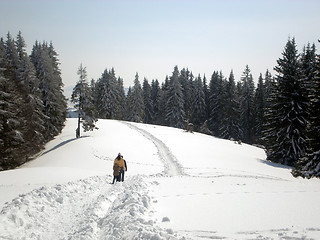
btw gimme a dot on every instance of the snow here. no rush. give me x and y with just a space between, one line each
179 185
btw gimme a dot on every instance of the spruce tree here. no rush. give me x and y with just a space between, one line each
269 85
309 164
148 108
260 106
32 105
247 109
11 138
216 103
46 64
135 102
121 97
285 137
155 101
107 101
28 117
199 104
175 115
206 97
164 93
186 81
230 128
82 98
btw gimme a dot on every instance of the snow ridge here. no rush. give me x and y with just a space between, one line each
171 165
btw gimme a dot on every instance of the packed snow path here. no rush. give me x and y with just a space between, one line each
171 164
84 209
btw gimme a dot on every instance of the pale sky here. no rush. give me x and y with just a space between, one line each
152 36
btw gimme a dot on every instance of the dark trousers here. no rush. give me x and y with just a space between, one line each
116 178
121 175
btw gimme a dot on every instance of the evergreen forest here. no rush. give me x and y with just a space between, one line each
33 107
279 113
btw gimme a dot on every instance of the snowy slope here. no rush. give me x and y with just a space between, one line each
179 185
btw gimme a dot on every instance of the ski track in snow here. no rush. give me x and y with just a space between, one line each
171 164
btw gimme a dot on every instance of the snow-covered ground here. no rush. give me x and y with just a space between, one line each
178 185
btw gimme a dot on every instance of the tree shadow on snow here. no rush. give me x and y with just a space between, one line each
62 144
276 165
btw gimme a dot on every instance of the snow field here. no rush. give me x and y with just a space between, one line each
179 185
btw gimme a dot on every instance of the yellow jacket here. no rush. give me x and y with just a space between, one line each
120 163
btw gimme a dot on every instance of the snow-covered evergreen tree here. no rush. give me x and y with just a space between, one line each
155 101
83 100
260 105
309 164
58 88
148 107
206 98
199 104
163 102
108 96
230 128
12 58
216 87
32 111
247 109
11 138
186 81
46 64
269 85
175 115
25 125
285 137
135 104
121 99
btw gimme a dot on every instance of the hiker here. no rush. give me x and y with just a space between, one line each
116 172
122 165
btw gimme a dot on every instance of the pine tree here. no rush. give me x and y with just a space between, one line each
216 103
82 98
121 99
12 58
135 102
309 164
199 105
206 97
24 124
11 138
230 128
186 81
108 93
260 106
46 64
175 115
32 105
286 138
269 85
60 99
163 96
155 101
148 108
247 109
